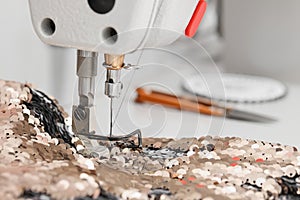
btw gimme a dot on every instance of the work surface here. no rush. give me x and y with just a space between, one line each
164 122
42 159
58 78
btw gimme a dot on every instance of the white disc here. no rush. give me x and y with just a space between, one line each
235 87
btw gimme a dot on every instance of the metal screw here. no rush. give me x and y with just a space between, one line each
79 113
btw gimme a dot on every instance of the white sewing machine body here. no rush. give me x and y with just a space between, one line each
114 28
137 23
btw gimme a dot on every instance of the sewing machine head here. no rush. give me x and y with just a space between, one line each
114 28
110 26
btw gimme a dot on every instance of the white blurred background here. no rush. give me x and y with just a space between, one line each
253 37
262 37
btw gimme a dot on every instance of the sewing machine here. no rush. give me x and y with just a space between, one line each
114 28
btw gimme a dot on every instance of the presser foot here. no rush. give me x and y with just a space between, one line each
122 138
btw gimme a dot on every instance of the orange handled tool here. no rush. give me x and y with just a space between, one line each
199 105
180 103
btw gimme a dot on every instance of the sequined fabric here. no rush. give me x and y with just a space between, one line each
40 159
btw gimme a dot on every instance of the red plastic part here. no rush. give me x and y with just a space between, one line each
196 19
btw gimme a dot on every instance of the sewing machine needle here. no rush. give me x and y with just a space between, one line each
111 117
